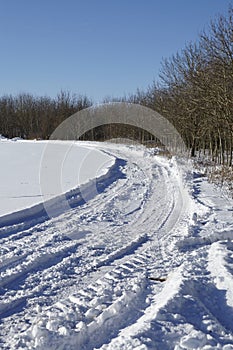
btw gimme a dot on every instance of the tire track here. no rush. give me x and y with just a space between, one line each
93 281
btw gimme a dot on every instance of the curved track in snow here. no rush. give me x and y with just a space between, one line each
100 275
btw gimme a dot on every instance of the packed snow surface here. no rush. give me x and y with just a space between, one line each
144 262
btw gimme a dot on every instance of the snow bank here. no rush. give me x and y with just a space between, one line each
22 165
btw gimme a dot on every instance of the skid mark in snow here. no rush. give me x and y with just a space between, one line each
99 309
33 263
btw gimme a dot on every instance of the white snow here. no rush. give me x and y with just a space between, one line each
144 262
22 169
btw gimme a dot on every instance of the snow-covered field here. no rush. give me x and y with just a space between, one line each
145 262
23 170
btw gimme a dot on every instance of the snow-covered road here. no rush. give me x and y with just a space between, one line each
145 264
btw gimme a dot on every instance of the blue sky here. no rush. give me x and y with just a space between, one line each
95 47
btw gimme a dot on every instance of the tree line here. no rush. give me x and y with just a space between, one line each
194 92
31 117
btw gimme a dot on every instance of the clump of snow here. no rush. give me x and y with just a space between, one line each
16 139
